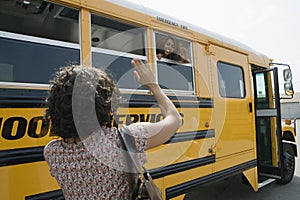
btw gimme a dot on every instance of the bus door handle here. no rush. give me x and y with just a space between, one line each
250 106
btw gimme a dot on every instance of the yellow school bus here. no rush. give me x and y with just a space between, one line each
227 94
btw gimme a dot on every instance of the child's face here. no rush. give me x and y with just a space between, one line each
169 46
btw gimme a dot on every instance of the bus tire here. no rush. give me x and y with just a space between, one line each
288 164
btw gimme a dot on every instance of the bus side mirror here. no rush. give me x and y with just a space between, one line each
288 85
288 88
287 75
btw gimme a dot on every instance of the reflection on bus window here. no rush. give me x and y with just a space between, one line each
30 62
262 90
114 35
231 80
41 19
175 77
260 85
36 37
114 44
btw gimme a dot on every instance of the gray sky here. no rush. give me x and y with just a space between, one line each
271 27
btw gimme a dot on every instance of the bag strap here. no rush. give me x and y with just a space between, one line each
130 150
128 143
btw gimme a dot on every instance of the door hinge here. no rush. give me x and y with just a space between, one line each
208 51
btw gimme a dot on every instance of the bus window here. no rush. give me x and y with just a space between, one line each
174 63
114 44
171 48
36 37
231 80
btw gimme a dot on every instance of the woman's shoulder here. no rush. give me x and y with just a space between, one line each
53 143
50 147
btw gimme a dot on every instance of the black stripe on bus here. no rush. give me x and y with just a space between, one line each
21 98
179 167
52 195
21 156
141 101
27 98
139 104
193 135
183 188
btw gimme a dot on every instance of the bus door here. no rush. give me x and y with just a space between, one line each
232 107
268 123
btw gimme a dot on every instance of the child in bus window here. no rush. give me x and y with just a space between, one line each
184 55
168 49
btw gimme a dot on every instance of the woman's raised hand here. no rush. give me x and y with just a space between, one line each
143 73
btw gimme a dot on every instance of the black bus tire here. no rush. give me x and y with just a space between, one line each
288 164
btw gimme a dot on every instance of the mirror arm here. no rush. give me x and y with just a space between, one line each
271 64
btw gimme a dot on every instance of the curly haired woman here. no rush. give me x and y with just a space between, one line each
86 162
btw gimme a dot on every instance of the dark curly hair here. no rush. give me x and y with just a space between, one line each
73 92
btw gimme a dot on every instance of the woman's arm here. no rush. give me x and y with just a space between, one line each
162 131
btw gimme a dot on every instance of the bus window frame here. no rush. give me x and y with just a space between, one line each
34 40
170 61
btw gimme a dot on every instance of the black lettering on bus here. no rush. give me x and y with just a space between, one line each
182 116
1 122
159 117
117 120
7 131
132 119
149 118
32 128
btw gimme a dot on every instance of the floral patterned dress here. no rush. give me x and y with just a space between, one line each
94 168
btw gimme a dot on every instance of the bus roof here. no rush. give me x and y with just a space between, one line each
210 37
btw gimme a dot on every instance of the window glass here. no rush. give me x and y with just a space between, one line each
41 19
114 44
263 89
119 67
176 77
261 85
231 80
36 37
174 63
115 35
29 62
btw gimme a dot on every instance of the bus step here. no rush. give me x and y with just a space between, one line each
266 182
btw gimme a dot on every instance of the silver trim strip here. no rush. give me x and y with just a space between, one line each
39 40
266 113
16 85
289 142
266 182
117 53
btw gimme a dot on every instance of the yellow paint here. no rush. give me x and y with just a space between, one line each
86 57
18 181
251 176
